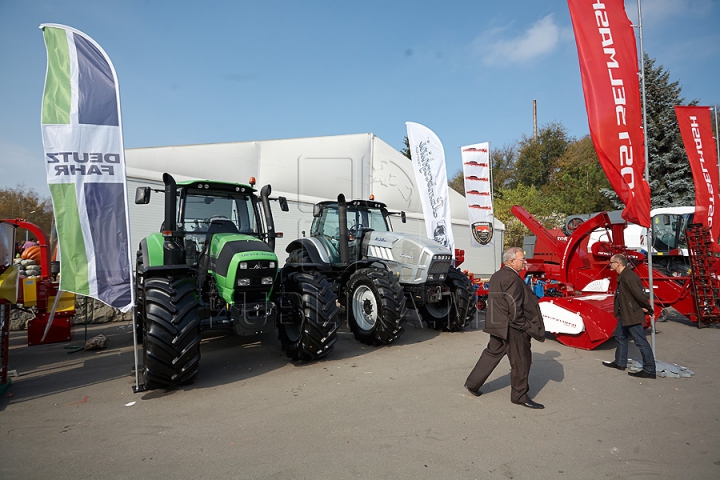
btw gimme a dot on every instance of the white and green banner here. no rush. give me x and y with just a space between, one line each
85 166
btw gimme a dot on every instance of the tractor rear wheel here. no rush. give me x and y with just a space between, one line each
455 311
171 340
309 330
375 306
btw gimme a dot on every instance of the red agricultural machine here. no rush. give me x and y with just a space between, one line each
577 287
39 292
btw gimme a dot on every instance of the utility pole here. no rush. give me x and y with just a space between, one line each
535 120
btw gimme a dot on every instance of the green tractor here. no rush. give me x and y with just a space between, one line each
378 273
213 267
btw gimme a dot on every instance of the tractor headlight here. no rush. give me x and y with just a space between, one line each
243 266
266 280
243 282
442 276
272 265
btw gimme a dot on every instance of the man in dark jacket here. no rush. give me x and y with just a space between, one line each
630 308
510 321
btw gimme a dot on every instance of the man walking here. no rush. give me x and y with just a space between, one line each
510 321
630 308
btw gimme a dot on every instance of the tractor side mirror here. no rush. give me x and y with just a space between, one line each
283 204
142 195
317 211
403 218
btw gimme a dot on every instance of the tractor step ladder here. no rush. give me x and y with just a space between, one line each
705 264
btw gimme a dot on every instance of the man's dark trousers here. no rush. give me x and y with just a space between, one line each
517 348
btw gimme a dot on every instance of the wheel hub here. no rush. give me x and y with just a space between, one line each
364 307
367 307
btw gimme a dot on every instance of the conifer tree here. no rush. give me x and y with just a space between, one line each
671 182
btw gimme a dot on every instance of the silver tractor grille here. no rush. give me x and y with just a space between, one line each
439 266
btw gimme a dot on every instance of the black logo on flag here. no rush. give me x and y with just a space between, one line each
482 232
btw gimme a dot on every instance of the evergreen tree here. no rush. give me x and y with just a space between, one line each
671 182
406 150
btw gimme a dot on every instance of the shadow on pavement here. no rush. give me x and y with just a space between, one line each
225 358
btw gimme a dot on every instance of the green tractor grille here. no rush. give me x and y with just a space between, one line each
255 275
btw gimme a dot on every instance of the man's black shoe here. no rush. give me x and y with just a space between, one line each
476 393
642 374
613 365
531 404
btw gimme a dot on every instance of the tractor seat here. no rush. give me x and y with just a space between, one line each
222 226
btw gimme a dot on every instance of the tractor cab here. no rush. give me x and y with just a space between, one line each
362 216
669 226
205 213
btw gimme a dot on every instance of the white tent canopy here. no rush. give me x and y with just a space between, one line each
305 170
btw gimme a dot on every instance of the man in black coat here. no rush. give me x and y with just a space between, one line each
512 317
630 309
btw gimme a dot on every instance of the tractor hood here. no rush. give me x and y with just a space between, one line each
415 256
229 250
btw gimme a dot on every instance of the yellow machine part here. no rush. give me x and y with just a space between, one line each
9 284
66 302
29 287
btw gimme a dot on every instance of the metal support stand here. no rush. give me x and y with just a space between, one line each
5 382
77 348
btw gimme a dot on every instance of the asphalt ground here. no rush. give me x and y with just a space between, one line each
364 412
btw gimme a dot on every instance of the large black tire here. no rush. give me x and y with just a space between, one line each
455 311
309 331
171 342
300 257
376 308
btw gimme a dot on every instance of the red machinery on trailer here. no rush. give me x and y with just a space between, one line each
54 310
577 288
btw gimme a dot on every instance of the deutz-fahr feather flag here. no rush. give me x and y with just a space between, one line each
85 166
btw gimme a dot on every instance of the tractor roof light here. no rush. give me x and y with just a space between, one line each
252 181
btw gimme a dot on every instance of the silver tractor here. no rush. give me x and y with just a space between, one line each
379 274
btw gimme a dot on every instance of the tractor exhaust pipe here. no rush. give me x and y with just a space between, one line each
342 219
269 222
170 202
173 252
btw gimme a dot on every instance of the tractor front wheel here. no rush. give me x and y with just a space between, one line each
171 337
455 311
308 325
375 306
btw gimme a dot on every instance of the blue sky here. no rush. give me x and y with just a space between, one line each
195 72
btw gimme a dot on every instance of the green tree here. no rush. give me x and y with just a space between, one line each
532 199
576 185
457 182
671 182
537 158
21 202
504 160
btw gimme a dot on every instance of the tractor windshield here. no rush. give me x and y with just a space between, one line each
221 211
365 217
669 231
358 218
